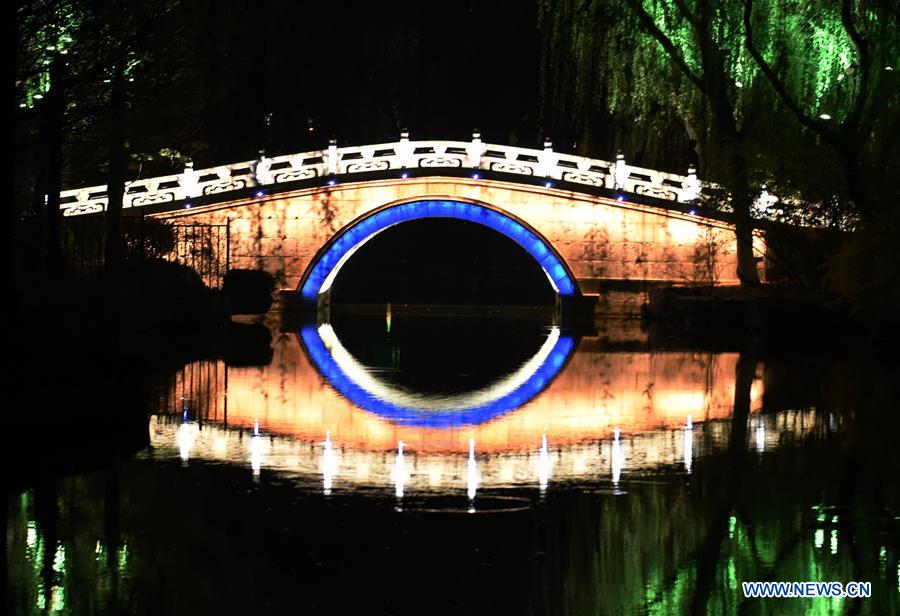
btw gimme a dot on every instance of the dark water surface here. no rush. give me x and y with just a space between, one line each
422 466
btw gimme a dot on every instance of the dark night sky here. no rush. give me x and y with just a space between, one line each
363 71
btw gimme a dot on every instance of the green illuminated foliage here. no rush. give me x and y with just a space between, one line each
817 79
45 29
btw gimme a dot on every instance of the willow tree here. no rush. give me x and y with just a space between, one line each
834 68
44 34
130 95
748 81
660 57
137 45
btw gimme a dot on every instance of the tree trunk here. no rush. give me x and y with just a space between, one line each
744 373
743 230
115 182
856 183
56 107
730 139
710 551
38 207
738 184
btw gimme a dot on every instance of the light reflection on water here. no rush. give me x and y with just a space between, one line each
361 386
589 414
626 484
342 468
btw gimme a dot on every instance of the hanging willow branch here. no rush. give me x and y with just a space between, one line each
862 48
667 44
780 88
686 12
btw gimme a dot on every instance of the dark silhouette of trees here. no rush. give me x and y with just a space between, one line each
105 92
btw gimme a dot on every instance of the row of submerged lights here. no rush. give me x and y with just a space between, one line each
187 432
620 171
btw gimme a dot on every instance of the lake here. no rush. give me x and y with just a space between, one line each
399 463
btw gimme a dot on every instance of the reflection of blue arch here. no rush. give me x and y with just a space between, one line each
340 380
326 264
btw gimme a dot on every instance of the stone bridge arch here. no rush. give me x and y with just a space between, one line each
614 248
326 264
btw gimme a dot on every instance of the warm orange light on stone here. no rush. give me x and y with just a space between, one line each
595 393
599 238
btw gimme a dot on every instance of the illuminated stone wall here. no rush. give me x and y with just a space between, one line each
601 240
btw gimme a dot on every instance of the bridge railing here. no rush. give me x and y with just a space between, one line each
404 154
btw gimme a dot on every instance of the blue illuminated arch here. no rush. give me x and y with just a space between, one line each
325 265
407 415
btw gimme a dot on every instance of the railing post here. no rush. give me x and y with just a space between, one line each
404 149
261 169
621 172
763 202
475 150
691 188
545 158
190 181
227 245
331 158
143 239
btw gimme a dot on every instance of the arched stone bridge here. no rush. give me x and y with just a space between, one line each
595 227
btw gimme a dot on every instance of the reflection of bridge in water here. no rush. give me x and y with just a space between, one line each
334 464
604 413
364 389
